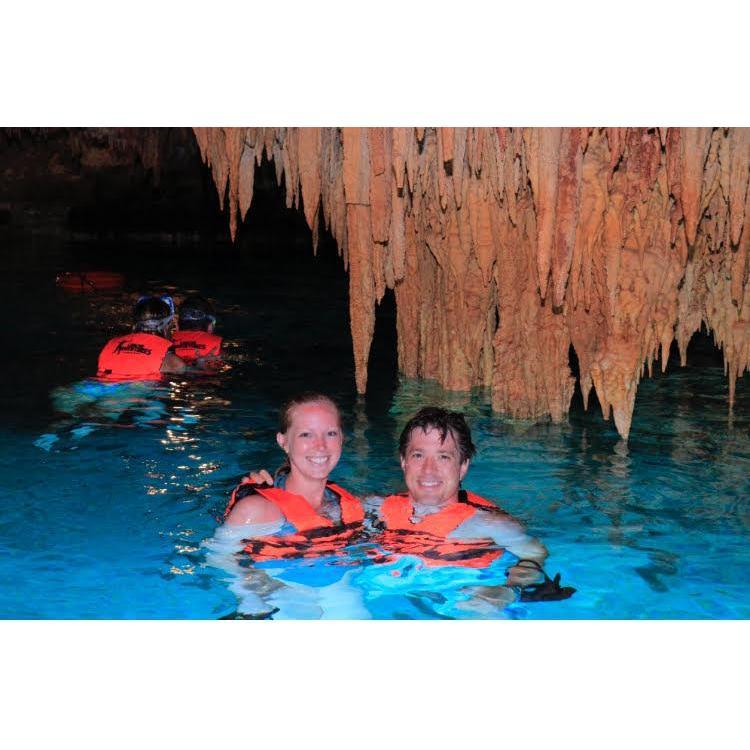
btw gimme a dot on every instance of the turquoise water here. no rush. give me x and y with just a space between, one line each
109 493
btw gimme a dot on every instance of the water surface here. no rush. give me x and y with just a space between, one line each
107 495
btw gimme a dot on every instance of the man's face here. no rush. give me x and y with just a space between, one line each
433 468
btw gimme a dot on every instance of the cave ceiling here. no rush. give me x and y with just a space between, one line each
507 246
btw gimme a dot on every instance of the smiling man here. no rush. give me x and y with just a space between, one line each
441 524
443 547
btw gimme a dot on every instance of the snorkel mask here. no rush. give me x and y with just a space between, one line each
163 297
196 316
160 324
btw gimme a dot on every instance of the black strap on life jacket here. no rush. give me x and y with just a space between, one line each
464 498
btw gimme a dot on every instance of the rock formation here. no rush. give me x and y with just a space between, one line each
107 182
505 246
94 148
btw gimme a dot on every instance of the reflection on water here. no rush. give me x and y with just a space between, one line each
654 528
110 491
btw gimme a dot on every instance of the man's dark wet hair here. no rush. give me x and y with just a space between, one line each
152 315
444 421
196 313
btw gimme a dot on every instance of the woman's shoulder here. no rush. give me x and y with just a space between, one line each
254 509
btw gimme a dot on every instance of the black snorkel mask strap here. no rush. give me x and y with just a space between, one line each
155 325
197 316
548 590
158 326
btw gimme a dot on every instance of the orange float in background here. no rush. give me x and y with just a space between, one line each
90 281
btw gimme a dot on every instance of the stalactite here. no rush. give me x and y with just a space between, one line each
112 146
506 246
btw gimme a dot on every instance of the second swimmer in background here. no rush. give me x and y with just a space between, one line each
195 342
304 518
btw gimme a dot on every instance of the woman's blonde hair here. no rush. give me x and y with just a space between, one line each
308 397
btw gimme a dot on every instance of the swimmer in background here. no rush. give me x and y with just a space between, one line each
302 517
127 380
147 352
195 342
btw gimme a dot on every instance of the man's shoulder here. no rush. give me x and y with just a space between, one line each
494 516
488 515
484 506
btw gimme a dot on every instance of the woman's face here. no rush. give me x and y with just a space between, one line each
313 440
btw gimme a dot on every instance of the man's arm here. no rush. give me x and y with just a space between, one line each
209 363
172 363
509 533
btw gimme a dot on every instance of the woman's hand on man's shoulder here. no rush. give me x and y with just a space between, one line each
259 476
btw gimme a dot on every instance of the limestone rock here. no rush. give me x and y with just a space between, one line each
505 246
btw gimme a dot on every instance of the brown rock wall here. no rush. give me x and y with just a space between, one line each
506 245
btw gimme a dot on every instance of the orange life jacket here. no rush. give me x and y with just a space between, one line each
315 535
136 356
189 345
428 538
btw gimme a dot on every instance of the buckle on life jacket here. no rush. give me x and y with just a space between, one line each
549 590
